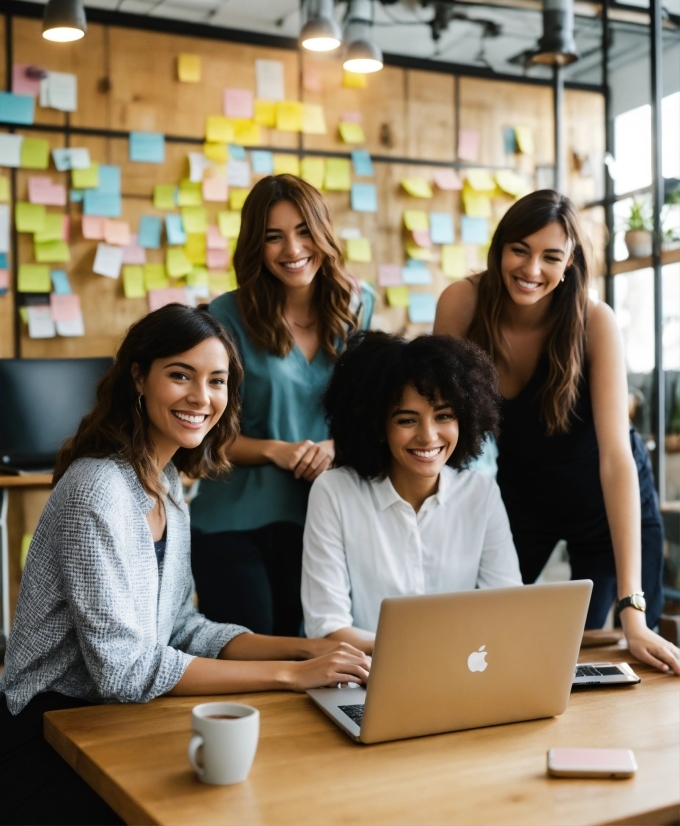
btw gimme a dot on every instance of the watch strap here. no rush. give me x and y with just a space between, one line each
636 601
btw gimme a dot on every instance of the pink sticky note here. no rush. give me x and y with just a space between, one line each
215 241
64 307
389 275
93 228
133 253
22 84
168 295
311 79
42 190
215 189
65 228
351 117
216 259
447 179
4 279
422 237
468 145
238 103
117 232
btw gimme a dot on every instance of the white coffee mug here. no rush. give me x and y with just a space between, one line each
227 734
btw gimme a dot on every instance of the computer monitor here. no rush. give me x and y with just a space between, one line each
41 404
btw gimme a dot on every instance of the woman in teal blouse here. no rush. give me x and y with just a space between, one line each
289 318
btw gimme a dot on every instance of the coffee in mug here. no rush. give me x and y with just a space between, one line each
225 738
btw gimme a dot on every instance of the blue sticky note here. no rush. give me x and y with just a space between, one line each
104 204
364 198
237 153
421 308
510 140
16 108
3 261
474 230
149 234
441 228
174 229
416 274
76 195
362 163
262 161
109 179
147 147
60 282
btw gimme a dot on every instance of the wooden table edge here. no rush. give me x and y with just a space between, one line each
665 816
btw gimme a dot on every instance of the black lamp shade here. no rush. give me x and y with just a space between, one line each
64 20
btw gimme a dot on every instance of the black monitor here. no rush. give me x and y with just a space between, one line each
41 404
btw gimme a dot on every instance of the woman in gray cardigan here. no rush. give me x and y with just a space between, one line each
105 610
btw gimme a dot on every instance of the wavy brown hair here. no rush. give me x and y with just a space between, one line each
118 424
261 296
565 345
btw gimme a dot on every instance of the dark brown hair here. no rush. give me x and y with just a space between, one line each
261 295
565 345
118 424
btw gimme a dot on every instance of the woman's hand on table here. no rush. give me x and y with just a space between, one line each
343 664
306 460
647 646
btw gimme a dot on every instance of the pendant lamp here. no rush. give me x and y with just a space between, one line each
321 32
363 54
557 47
64 20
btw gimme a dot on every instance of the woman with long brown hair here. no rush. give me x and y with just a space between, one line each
290 316
569 466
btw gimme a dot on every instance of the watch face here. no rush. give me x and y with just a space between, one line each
638 602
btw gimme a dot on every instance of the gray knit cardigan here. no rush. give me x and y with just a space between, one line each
97 618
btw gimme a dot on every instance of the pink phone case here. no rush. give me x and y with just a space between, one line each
566 762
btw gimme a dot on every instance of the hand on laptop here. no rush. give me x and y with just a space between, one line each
647 646
341 665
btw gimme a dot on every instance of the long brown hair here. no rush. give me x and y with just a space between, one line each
118 424
261 296
565 345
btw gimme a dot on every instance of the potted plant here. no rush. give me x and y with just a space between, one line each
638 230
673 428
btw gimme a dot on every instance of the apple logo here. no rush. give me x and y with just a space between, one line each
477 660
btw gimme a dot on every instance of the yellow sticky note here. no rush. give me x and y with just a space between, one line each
164 196
286 165
155 277
416 219
53 228
26 540
359 250
222 282
195 248
313 119
419 253
246 132
479 180
454 264
219 129
29 217
133 282
195 219
189 68
511 182
476 204
338 177
352 132
265 113
313 171
35 153
216 151
198 277
525 140
85 178
4 189
189 193
176 262
34 278
237 197
417 187
397 296
52 252
289 116
23 314
353 80
229 224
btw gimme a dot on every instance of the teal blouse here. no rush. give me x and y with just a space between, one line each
281 399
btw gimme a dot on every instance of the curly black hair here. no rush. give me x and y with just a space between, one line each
369 380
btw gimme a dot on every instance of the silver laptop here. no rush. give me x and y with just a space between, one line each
605 674
445 662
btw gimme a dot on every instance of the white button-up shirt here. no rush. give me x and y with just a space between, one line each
363 543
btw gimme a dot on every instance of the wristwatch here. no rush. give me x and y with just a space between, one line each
636 600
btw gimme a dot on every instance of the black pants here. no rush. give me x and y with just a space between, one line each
251 578
36 785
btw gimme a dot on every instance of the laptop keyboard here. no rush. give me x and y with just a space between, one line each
602 671
355 713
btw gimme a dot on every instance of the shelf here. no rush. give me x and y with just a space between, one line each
632 264
30 480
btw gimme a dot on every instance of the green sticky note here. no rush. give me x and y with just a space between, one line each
4 189
35 153
164 196
85 178
53 229
29 217
229 224
26 540
189 193
358 250
198 277
52 252
397 296
133 282
176 263
195 219
34 278
338 178
155 277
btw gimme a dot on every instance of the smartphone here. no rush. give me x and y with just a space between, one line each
565 762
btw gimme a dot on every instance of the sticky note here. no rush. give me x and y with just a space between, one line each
474 230
93 227
10 150
313 119
60 282
229 223
189 193
76 196
239 174
147 147
155 277
215 240
352 132
117 232
237 197
4 229
73 157
468 145
238 103
189 68
422 237
174 229
198 277
108 260
64 307
35 153
247 132
133 253
219 129
262 161
4 189
511 182
52 252
29 217
289 116
133 282
353 80
286 164
106 204
359 250
109 179
74 327
447 179
337 175
86 178
195 219
269 80
34 278
417 187
176 262
351 117
59 90
164 196
525 140
421 308
213 151
214 190
364 198
237 152
26 82
313 170
149 234
311 79
217 259
416 219
169 295
476 204
416 275
362 163
479 180
221 282
265 113
454 264
195 248
40 324
419 253
4 281
53 228
389 275
510 140
16 108
397 296
441 228
44 191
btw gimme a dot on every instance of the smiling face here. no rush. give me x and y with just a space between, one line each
533 267
184 396
290 254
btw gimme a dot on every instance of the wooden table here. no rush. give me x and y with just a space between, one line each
308 772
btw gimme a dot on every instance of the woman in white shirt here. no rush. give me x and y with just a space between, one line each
400 514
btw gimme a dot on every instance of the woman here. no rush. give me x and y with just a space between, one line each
399 515
294 308
105 610
569 465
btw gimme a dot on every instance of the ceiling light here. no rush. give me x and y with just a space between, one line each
557 47
363 55
64 20
321 32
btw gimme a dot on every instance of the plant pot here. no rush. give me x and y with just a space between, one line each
639 243
673 443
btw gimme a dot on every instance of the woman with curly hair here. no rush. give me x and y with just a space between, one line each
290 316
400 514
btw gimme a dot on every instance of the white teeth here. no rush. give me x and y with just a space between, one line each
184 417
529 285
295 265
427 454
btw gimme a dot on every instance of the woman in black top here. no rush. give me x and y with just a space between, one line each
569 467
